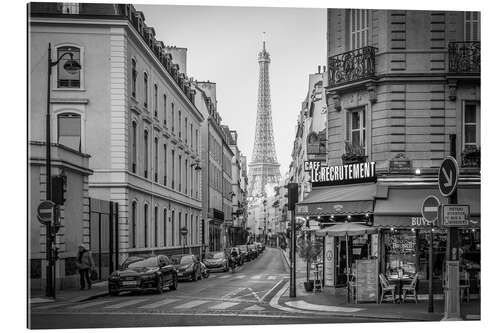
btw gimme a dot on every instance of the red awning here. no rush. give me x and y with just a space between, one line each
338 200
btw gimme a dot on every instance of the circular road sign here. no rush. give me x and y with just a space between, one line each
430 209
45 211
184 231
448 176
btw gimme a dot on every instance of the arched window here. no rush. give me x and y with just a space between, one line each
134 147
145 90
65 78
134 78
173 227
134 224
165 227
146 154
156 227
156 160
146 225
69 130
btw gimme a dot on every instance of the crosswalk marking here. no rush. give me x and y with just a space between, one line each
190 305
271 277
124 304
88 305
158 304
255 277
254 308
224 276
240 276
224 305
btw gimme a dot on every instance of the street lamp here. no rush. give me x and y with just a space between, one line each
71 66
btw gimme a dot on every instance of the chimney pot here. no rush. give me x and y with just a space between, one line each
319 68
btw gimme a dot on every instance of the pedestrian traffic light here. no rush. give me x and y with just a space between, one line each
58 189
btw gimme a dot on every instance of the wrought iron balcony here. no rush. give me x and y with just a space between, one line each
464 57
351 66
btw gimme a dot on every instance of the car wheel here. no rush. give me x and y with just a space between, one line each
159 285
173 286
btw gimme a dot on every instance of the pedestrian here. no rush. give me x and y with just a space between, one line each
85 265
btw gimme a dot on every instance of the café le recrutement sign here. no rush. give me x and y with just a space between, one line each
326 175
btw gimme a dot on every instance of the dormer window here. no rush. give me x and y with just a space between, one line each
70 8
65 78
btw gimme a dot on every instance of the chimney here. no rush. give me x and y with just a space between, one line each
319 69
324 69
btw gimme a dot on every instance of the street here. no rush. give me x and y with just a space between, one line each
243 297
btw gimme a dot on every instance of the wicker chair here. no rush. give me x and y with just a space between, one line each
411 289
387 288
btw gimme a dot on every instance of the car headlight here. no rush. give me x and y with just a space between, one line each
148 276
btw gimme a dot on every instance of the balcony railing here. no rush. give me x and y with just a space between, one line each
464 57
351 66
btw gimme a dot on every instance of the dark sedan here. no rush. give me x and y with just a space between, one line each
216 261
188 266
143 274
244 253
253 251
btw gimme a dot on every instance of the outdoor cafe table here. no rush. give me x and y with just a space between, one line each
399 281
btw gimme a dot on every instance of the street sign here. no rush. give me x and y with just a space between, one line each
430 209
448 176
455 215
45 211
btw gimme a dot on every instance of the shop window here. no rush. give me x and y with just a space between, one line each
439 254
65 78
471 126
359 28
400 252
69 129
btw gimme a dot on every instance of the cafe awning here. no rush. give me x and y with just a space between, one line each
338 200
346 229
401 206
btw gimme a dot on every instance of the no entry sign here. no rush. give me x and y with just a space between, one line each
430 209
448 176
45 211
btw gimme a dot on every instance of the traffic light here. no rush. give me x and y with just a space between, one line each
58 189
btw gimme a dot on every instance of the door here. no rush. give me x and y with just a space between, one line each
340 262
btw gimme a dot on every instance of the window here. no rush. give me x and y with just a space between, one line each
471 126
145 90
180 121
185 176
165 164
134 147
156 101
173 117
156 160
472 27
191 182
180 226
156 226
196 141
180 173
134 78
173 168
164 109
70 8
356 130
68 79
185 225
69 130
146 225
173 228
134 224
359 28
146 154
191 136
185 130
192 229
164 227
196 231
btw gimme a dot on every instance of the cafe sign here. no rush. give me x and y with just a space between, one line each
321 175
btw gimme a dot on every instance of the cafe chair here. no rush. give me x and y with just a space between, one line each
387 288
464 285
411 289
351 285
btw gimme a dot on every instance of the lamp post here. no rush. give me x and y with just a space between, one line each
70 66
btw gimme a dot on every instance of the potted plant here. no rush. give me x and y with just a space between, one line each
308 249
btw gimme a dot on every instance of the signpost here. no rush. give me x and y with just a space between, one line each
430 214
455 215
46 211
448 176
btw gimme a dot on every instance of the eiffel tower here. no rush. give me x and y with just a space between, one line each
264 166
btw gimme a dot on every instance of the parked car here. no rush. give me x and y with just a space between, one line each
253 251
188 266
240 259
259 246
216 261
142 274
244 252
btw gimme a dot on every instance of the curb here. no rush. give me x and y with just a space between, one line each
285 255
91 297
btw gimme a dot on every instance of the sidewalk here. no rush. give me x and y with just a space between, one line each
334 300
99 289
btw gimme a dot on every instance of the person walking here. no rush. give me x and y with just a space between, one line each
85 265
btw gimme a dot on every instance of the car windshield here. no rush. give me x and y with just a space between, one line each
182 260
215 255
141 263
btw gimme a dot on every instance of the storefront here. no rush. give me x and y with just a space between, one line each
405 236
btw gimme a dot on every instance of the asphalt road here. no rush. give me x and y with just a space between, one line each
240 298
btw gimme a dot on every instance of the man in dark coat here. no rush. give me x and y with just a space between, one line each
85 265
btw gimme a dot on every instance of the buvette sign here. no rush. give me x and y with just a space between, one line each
321 175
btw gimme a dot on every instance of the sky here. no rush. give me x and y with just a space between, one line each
223 44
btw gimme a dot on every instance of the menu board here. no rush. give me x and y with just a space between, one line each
329 261
367 280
